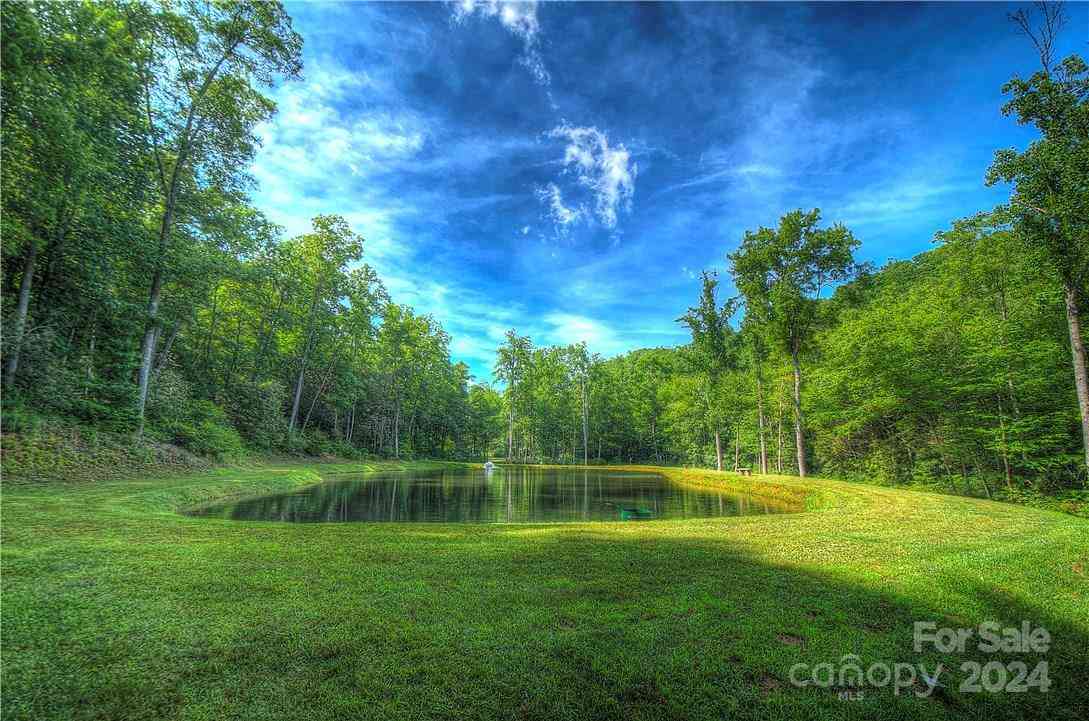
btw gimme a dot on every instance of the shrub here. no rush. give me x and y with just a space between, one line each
19 419
206 431
199 426
256 410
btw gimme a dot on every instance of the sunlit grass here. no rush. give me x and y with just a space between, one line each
115 606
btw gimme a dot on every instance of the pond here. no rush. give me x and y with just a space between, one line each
515 494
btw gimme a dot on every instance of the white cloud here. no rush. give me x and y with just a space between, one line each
520 18
319 154
569 328
607 172
561 214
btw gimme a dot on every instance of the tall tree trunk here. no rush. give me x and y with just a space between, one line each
1005 445
170 198
297 396
654 440
1081 377
305 356
799 428
164 355
510 426
718 451
211 332
585 427
147 348
21 309
90 369
737 446
228 377
779 436
268 328
151 333
397 430
314 402
760 422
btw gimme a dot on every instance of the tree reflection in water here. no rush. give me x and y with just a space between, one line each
507 495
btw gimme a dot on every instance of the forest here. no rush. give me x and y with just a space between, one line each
242 478
145 295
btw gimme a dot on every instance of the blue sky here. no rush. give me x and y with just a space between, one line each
568 169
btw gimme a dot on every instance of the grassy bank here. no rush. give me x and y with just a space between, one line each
115 606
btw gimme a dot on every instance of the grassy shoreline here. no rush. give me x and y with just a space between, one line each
115 606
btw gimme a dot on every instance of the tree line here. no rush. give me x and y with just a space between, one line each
144 294
149 295
963 367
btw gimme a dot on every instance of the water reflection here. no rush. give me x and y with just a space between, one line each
505 495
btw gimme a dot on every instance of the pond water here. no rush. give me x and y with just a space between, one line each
506 495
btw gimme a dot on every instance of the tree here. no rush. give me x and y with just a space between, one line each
321 259
581 364
781 274
714 344
200 70
70 100
1051 179
510 367
752 337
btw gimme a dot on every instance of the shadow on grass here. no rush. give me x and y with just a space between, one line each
216 620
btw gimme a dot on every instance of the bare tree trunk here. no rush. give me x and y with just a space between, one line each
799 432
170 199
510 433
21 309
305 356
164 355
1005 447
151 333
654 439
779 434
90 370
718 451
760 422
298 395
1081 377
314 402
211 331
147 348
397 430
737 446
585 427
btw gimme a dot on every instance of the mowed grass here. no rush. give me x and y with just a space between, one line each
117 607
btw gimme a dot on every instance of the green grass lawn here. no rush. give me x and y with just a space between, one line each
115 606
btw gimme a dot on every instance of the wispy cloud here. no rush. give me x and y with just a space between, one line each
606 171
569 328
561 215
520 18
420 124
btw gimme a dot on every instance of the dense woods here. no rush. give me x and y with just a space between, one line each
144 294
950 369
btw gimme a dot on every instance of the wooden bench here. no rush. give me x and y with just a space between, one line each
744 471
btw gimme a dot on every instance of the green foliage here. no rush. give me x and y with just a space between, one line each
127 131
41 447
198 425
256 410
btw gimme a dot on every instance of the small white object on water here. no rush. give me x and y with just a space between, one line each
489 467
